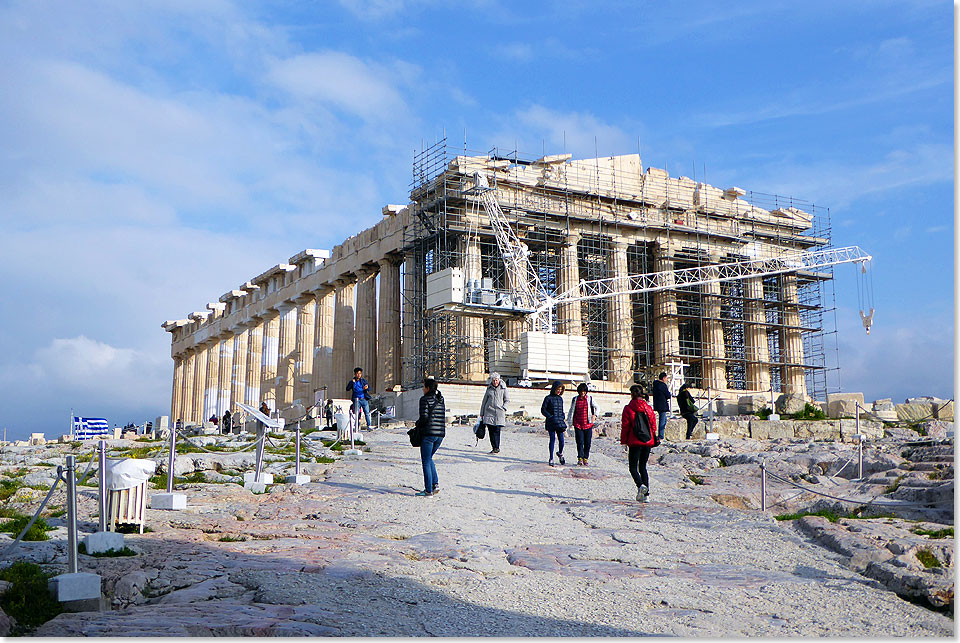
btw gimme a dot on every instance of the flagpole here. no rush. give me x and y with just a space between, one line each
70 432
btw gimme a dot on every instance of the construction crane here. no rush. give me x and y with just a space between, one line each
532 300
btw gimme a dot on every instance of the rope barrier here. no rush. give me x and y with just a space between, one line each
901 505
43 504
187 438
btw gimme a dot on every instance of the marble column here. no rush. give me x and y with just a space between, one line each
388 324
411 370
666 327
269 359
791 339
306 334
366 335
757 349
286 358
186 412
470 329
212 388
343 336
713 349
619 318
568 315
323 340
254 363
238 389
226 373
199 383
176 398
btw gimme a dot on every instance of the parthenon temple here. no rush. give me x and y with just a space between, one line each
423 291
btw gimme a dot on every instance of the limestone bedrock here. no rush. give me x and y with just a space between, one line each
509 547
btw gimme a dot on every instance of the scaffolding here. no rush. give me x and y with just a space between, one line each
549 200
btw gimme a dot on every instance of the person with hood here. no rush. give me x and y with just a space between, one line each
638 451
432 423
688 408
556 424
493 409
581 416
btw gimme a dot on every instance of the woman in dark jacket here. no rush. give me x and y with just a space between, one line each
688 408
433 426
552 409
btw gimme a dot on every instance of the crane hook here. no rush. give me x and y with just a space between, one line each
867 320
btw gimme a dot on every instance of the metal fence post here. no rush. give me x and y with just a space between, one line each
71 481
173 457
763 487
297 470
103 485
860 457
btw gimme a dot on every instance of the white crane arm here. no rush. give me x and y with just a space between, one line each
714 273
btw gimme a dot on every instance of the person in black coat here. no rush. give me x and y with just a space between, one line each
688 408
661 403
556 424
432 423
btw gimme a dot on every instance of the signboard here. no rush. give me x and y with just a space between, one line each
257 415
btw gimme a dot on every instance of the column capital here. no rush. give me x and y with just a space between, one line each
284 307
345 280
305 298
368 270
573 237
391 259
620 243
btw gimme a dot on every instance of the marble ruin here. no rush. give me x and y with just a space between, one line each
302 325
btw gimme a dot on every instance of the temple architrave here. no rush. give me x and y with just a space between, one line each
302 325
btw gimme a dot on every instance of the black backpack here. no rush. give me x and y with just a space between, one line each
642 430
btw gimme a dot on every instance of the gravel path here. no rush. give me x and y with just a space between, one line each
510 547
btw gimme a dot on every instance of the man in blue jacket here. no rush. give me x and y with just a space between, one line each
360 393
661 403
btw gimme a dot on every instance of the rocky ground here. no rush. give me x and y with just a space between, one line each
512 547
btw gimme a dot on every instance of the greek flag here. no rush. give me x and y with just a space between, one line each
86 428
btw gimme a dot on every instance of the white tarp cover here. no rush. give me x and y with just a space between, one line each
128 473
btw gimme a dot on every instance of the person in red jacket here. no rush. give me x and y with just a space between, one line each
638 451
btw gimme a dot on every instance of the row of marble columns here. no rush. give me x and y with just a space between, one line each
285 355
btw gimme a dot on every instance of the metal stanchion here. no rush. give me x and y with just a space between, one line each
860 457
71 479
763 487
297 469
103 486
172 460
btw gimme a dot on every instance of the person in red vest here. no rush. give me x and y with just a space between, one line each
638 450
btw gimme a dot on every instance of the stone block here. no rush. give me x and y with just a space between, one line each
297 479
868 428
816 429
752 403
103 541
81 586
174 501
842 408
914 412
846 397
777 429
885 404
944 411
790 403
250 476
255 487
728 408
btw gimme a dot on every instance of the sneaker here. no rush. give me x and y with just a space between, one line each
495 451
560 457
550 463
436 489
642 493
579 462
423 493
584 462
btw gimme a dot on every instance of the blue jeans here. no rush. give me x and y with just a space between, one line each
558 436
584 437
661 423
429 446
363 403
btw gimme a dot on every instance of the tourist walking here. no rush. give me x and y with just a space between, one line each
638 451
582 416
328 413
688 408
432 423
661 402
360 394
226 424
556 424
493 409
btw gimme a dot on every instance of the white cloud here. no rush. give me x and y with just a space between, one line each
579 133
373 9
348 83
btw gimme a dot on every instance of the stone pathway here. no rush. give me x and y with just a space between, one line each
510 547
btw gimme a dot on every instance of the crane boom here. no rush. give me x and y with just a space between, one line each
713 273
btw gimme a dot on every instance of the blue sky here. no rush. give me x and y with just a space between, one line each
156 154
